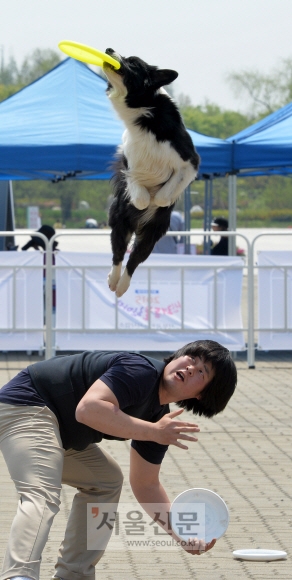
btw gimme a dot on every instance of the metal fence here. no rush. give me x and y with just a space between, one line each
250 269
14 328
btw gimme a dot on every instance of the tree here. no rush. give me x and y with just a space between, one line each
8 90
183 101
34 66
37 64
209 119
8 73
265 92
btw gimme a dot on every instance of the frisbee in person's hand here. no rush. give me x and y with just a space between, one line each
199 509
260 555
87 53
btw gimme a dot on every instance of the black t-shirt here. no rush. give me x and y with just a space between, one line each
131 377
220 249
21 391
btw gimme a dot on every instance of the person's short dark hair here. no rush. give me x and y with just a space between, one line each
220 389
221 222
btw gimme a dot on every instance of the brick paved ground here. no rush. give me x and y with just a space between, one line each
243 454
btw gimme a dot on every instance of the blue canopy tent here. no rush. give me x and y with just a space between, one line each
265 147
216 155
63 126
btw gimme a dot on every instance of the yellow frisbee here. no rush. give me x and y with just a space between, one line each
87 53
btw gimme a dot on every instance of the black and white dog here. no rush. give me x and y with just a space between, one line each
156 162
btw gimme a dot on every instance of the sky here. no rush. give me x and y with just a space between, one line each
202 40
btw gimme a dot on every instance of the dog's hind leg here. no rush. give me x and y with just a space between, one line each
143 246
114 276
123 284
119 241
142 249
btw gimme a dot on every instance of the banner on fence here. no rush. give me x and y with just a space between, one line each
275 300
22 300
172 300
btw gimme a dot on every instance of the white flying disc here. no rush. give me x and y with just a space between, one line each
216 513
87 53
260 555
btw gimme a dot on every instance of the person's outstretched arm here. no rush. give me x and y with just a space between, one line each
150 493
99 409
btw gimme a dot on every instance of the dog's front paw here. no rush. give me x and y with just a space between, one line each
162 200
123 284
140 197
113 278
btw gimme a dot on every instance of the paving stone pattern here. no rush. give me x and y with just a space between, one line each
244 454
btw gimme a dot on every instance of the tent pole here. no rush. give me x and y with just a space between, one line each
232 214
205 213
187 208
208 213
7 221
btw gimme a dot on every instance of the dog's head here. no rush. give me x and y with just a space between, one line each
135 78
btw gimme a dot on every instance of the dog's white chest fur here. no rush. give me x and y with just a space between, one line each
151 163
156 172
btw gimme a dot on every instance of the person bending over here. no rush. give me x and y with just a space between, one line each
54 414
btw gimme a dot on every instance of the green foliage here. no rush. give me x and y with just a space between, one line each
8 90
53 218
251 218
9 72
265 192
35 65
67 195
283 216
264 93
209 119
263 201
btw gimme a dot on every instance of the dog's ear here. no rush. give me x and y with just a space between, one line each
159 78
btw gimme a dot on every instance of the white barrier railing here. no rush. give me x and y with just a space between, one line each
22 319
251 285
251 268
215 326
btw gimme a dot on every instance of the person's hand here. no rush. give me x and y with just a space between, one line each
167 431
197 547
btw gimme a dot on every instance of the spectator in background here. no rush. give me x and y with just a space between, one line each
168 244
37 243
91 223
58 225
220 224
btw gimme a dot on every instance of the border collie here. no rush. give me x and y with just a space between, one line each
155 163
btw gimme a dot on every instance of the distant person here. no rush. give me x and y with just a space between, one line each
10 247
58 225
91 223
168 244
37 243
220 224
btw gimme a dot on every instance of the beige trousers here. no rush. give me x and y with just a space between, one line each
38 464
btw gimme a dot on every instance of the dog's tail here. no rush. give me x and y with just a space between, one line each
118 180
